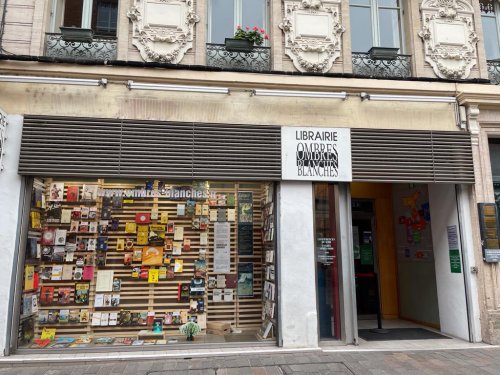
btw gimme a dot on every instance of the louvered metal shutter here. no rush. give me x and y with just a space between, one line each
62 146
411 156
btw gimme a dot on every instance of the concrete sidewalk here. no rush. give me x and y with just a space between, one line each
464 361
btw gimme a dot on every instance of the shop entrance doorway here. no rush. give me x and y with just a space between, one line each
408 261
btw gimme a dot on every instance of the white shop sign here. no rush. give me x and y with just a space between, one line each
316 154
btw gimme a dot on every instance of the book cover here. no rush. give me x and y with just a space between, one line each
187 245
177 248
48 237
93 213
102 227
56 192
181 209
120 244
84 316
143 217
167 320
178 266
73 193
104 282
96 318
64 295
74 226
59 254
106 213
39 344
117 202
93 227
104 319
150 318
197 287
29 272
164 217
170 228
43 317
231 280
183 292
99 300
217 295
102 243
53 213
88 273
228 295
136 255
53 316
117 285
113 319
89 192
63 316
101 259
48 333
74 316
82 293
152 256
56 272
127 259
200 268
115 300
84 227
76 213
67 273
78 274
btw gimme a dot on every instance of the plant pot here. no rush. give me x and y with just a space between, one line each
77 34
189 338
238 45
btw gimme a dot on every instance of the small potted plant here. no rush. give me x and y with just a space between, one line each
245 38
190 329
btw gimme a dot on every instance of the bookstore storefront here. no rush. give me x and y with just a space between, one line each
115 258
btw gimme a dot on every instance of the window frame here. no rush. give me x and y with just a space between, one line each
496 17
237 18
374 7
57 15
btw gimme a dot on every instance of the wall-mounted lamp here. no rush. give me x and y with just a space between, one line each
160 87
55 80
307 94
407 98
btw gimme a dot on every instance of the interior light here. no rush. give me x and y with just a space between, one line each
161 87
55 80
306 94
408 98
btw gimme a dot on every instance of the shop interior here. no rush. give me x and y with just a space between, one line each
126 263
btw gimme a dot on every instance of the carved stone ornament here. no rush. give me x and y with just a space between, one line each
449 37
163 29
312 34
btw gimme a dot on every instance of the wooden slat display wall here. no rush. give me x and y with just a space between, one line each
138 295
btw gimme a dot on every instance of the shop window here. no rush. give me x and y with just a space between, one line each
133 263
327 262
375 23
490 10
226 15
98 15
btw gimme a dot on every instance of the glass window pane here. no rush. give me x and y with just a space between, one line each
104 16
388 3
361 29
326 261
73 13
491 43
487 7
253 13
221 20
389 28
360 2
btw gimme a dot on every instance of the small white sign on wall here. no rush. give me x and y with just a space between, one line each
316 154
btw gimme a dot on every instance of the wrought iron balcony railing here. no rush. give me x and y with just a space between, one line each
364 65
259 59
494 71
101 48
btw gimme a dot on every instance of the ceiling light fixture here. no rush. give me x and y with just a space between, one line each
55 80
408 98
161 87
306 94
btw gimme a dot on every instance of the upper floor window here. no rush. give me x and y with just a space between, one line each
226 15
98 15
490 11
375 23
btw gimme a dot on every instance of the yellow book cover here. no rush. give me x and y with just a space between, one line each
178 265
142 228
153 276
120 244
164 217
142 238
48 334
130 227
29 272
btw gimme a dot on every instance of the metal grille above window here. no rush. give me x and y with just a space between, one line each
411 156
62 146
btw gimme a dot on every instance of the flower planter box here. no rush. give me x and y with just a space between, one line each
238 45
76 34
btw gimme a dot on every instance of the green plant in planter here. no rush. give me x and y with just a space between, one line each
255 36
190 329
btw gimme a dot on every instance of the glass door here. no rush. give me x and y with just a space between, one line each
326 261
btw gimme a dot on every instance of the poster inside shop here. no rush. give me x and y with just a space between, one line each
222 247
245 279
245 223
